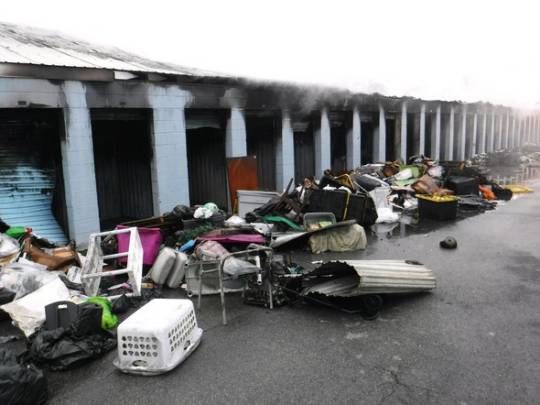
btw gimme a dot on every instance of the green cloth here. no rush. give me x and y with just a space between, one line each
108 319
16 231
283 220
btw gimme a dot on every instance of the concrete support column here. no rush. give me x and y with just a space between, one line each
500 133
422 140
529 129
449 137
235 138
512 140
537 132
354 141
518 133
284 152
474 136
403 138
78 165
507 131
322 144
436 135
491 134
482 146
379 152
462 134
170 184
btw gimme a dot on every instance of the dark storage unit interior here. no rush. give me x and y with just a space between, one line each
457 134
340 124
444 135
304 151
122 158
413 130
429 132
391 139
470 135
261 144
207 164
367 141
31 178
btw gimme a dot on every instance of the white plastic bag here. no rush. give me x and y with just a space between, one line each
235 220
25 277
8 245
28 313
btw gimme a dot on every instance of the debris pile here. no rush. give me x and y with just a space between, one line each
69 302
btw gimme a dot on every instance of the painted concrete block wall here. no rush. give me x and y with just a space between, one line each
78 165
235 138
354 141
403 133
284 152
322 144
170 185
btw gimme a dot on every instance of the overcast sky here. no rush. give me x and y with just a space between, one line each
453 50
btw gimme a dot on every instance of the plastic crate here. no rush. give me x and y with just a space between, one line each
314 218
441 211
157 337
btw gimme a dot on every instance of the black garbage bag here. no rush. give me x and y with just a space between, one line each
20 383
66 348
121 305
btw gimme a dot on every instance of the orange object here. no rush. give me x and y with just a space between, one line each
487 193
242 175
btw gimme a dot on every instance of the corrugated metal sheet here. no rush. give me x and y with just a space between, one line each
361 277
28 177
25 45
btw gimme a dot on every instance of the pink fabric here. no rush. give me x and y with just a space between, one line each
150 239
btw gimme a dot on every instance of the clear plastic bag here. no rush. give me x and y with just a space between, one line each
24 277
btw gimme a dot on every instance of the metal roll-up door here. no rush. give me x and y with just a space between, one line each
31 180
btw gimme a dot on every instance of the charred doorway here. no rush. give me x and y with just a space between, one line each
31 178
261 129
340 124
413 135
304 148
122 159
207 164
392 140
429 132
368 137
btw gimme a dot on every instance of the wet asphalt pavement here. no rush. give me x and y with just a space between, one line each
474 340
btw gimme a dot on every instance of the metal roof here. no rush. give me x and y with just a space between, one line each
27 45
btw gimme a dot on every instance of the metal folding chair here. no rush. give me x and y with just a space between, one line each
218 265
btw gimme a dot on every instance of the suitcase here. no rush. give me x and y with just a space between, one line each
163 265
178 271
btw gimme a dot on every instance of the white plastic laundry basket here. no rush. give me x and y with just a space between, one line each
158 337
